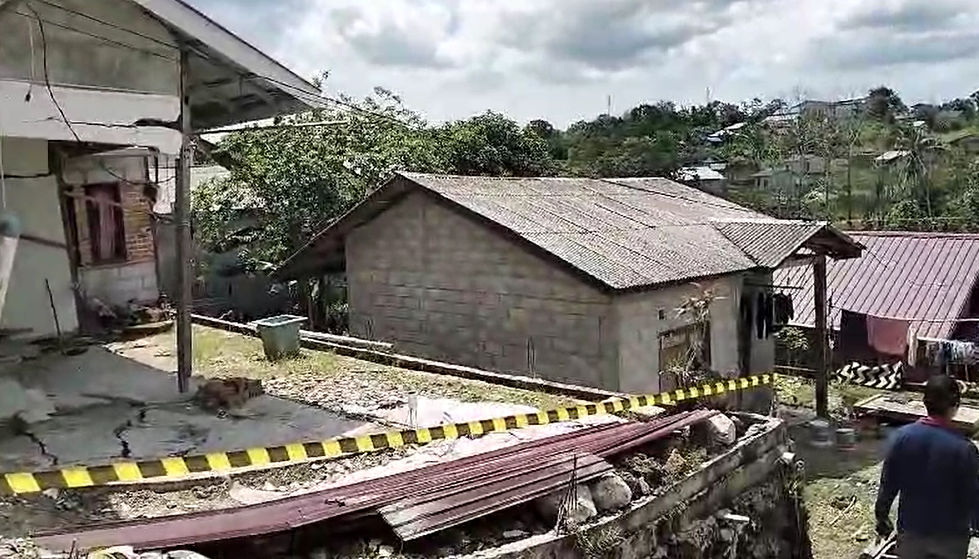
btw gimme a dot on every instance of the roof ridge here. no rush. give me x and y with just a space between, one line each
916 234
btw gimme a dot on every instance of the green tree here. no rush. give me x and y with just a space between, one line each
492 144
884 104
921 154
306 174
964 206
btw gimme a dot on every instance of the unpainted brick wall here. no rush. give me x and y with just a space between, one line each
137 225
441 285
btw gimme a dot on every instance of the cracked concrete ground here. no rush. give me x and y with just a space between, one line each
110 407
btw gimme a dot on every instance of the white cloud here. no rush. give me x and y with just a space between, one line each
559 59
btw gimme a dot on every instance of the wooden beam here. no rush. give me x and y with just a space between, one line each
182 218
822 337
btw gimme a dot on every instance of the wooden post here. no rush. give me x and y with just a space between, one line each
822 337
182 218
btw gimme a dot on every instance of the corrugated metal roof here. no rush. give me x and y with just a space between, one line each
768 242
624 233
901 274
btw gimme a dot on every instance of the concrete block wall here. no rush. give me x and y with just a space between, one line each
441 285
32 195
640 326
119 284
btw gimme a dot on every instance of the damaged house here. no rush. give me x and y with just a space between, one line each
90 113
601 282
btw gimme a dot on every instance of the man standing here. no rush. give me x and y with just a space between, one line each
935 469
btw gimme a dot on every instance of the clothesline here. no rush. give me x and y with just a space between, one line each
909 319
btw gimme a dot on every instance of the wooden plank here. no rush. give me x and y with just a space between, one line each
907 408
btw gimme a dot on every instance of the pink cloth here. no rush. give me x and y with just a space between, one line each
887 335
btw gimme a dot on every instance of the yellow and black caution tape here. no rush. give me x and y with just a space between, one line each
160 469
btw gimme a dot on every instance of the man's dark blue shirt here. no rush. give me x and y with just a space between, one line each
936 471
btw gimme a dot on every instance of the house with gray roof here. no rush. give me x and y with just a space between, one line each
571 279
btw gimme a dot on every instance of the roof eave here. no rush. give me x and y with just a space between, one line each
228 73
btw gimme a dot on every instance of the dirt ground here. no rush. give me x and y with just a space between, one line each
841 485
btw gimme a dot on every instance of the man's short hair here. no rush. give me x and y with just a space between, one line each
942 394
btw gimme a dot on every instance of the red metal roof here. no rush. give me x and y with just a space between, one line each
901 274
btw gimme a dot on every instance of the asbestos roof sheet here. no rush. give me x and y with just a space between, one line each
926 276
768 242
624 233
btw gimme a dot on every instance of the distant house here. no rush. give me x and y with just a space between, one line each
891 156
795 171
723 134
704 178
917 276
968 142
812 108
844 109
576 280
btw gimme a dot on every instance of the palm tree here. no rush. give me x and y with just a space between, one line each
920 149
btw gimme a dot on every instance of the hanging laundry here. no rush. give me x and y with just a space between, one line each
887 335
853 336
746 313
760 316
961 352
783 308
944 353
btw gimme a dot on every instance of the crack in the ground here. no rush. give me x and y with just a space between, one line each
21 427
123 443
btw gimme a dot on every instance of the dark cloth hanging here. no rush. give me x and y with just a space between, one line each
783 309
745 332
853 344
746 313
769 315
760 316
888 336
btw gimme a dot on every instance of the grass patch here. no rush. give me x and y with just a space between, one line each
841 512
801 392
218 354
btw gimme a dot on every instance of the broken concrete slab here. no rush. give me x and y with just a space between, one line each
104 407
430 412
102 374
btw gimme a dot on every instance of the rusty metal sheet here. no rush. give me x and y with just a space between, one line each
522 482
524 477
357 499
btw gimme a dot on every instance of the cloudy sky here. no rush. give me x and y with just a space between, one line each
560 59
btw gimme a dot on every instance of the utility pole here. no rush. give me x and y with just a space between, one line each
822 338
182 217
